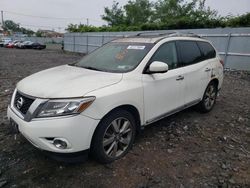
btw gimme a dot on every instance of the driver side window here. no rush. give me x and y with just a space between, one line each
166 53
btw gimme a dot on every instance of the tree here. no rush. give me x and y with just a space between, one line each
162 14
166 10
38 33
138 12
72 28
203 13
179 14
114 15
240 21
12 26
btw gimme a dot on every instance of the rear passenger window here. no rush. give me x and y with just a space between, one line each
207 50
166 53
189 52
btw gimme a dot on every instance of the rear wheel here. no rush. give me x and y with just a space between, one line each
114 136
209 98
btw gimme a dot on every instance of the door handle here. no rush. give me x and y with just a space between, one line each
207 70
180 78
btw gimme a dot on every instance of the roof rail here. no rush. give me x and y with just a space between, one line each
153 32
188 34
169 34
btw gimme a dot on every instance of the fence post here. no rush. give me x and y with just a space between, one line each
87 44
74 43
227 48
102 39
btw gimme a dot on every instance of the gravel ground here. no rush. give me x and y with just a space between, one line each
188 149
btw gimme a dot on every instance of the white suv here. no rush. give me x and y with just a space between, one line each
99 103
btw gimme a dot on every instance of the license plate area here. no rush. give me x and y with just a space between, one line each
14 127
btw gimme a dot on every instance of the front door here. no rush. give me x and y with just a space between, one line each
163 92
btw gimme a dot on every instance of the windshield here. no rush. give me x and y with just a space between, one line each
115 57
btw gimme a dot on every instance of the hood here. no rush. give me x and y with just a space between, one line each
66 82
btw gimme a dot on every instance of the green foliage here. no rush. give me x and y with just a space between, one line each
142 15
114 15
9 25
240 21
138 12
38 34
12 26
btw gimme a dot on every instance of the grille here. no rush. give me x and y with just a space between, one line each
25 104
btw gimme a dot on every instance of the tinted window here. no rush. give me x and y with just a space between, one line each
166 53
189 52
207 50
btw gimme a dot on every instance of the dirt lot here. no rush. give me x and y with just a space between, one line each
188 149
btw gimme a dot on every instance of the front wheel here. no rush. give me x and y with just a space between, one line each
114 136
209 98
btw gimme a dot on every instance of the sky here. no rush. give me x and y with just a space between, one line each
57 14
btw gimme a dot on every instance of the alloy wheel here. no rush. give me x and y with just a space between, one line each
117 137
210 97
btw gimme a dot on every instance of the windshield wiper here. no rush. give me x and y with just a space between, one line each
73 64
87 67
92 68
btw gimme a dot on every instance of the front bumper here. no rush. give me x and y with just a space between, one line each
76 130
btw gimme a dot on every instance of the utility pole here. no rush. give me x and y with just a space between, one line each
87 22
2 18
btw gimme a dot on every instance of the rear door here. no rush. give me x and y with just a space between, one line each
196 70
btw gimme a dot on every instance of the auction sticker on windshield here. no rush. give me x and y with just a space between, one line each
132 47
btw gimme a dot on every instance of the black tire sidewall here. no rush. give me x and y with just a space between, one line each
202 104
97 150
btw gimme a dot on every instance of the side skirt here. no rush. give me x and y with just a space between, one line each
192 103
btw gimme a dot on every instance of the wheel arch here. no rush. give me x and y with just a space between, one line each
128 107
216 81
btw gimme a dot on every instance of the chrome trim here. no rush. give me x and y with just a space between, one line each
13 108
34 109
171 112
53 117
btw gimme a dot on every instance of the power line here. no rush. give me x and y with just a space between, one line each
55 18
41 26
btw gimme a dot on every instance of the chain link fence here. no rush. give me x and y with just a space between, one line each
233 44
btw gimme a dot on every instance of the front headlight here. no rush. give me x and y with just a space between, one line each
62 107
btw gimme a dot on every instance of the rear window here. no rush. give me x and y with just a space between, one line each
207 50
189 52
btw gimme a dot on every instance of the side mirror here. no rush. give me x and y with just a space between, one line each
158 67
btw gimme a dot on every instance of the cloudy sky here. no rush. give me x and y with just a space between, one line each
57 14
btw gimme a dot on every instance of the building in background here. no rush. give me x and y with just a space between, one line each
49 33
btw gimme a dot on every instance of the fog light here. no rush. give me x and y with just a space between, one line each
60 143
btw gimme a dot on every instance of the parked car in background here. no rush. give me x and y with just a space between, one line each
17 43
9 45
38 46
25 45
5 41
12 44
98 104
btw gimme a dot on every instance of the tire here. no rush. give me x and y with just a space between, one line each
209 98
114 136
